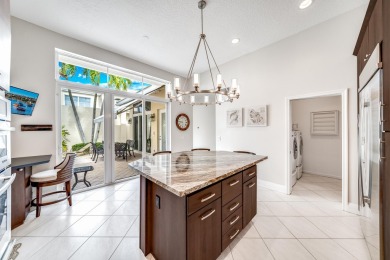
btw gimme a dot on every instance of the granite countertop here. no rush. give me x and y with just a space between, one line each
30 160
186 172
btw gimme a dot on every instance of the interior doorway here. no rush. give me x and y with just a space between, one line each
317 145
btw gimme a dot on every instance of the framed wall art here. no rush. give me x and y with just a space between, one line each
234 118
256 116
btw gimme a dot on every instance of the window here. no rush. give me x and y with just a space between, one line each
78 101
78 70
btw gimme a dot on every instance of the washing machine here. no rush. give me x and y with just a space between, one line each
300 154
293 157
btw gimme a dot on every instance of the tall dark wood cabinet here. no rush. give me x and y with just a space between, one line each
375 30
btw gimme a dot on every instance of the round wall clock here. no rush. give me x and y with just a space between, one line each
182 122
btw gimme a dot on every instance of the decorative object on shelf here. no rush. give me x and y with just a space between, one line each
220 93
324 123
37 128
256 116
182 122
234 118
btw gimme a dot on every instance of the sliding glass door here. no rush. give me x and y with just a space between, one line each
110 116
82 132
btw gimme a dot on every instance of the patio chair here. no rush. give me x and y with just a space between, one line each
61 173
121 150
130 147
96 152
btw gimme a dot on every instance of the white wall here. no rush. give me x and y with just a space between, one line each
32 68
316 60
204 130
321 154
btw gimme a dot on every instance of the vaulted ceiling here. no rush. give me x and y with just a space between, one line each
164 33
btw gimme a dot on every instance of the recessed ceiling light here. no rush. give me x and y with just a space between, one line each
305 4
235 40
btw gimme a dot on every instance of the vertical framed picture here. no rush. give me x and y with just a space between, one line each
256 116
234 118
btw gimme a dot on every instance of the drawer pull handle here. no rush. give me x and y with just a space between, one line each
251 185
207 198
250 174
235 206
235 220
207 215
233 183
235 234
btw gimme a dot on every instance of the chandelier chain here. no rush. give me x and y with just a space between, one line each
216 65
192 64
208 61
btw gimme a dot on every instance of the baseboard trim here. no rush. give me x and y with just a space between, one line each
323 174
272 186
353 208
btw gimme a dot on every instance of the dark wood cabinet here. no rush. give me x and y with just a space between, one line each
374 31
370 35
249 208
21 195
204 233
206 221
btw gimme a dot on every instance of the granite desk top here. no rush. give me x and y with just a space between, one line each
186 172
30 160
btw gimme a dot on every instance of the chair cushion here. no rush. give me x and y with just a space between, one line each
49 175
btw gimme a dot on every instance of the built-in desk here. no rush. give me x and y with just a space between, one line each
21 187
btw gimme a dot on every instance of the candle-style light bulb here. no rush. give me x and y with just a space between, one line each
169 90
234 84
196 80
192 99
206 99
219 80
177 84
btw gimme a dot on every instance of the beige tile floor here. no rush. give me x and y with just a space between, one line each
104 224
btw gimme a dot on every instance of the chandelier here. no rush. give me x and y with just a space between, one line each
219 94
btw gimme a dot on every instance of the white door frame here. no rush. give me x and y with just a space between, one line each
160 128
344 136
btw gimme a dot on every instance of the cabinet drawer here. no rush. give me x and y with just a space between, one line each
231 188
249 173
202 198
230 207
232 220
204 232
249 207
229 236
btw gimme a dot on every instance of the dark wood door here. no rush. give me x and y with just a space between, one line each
204 233
386 67
363 54
249 204
18 198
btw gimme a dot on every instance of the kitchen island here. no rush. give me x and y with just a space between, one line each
193 204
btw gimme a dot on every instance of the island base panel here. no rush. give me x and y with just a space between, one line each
163 222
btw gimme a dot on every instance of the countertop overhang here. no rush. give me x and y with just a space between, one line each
30 160
186 172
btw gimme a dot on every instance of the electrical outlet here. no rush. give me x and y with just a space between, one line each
157 201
